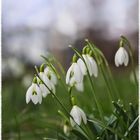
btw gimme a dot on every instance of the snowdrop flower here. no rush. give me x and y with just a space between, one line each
49 78
51 75
74 75
121 57
91 65
78 115
50 85
34 93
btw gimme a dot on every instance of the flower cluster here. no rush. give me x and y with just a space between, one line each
84 64
41 87
79 68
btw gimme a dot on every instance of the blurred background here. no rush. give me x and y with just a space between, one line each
34 27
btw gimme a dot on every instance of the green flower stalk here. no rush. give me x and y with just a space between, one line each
91 82
127 43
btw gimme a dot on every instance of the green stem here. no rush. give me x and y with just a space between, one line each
113 82
107 85
101 59
132 59
18 127
96 101
60 66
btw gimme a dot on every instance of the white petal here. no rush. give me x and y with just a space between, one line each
53 78
37 98
34 98
47 82
116 60
79 86
77 73
93 66
41 74
83 115
29 93
82 66
44 90
68 74
48 71
76 114
121 56
88 64
72 81
118 57
126 60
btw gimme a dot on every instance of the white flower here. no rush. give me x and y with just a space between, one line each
50 85
78 115
91 65
51 75
74 75
121 57
33 93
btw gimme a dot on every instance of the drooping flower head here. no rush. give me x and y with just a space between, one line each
49 78
78 116
74 74
34 93
121 57
90 62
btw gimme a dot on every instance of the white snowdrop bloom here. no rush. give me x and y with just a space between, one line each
74 75
91 65
82 66
51 75
78 115
34 93
121 57
50 85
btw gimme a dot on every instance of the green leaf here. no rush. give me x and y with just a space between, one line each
96 129
131 126
121 111
79 134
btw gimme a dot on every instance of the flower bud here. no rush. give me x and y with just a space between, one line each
35 80
87 50
84 50
42 68
66 128
75 58
73 101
